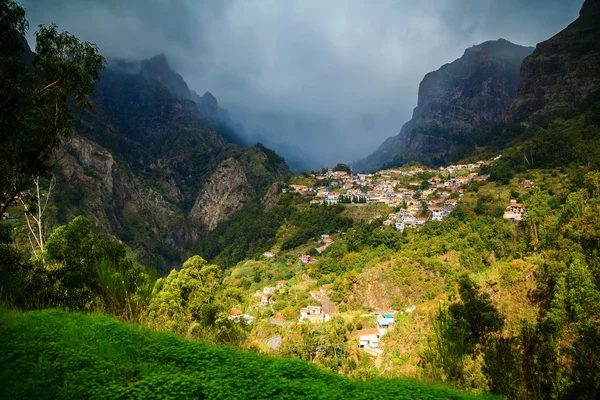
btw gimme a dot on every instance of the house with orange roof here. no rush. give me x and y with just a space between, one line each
438 214
368 337
515 211
238 315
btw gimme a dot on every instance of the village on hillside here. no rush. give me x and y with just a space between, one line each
415 194
418 194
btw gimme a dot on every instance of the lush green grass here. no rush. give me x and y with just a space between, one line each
56 354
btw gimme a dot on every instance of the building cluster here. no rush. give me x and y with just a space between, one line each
415 198
316 313
268 291
394 187
370 339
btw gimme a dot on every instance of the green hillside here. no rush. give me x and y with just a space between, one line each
56 354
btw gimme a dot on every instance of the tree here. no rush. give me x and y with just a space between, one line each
185 300
37 99
342 167
34 213
476 312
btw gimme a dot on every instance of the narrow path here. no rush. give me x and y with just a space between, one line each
322 248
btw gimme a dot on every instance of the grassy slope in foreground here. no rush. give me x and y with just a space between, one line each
56 354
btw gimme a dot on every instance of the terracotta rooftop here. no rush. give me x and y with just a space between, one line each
370 331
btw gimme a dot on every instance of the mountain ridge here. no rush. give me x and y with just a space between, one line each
458 98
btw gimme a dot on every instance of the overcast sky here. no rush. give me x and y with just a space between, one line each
346 60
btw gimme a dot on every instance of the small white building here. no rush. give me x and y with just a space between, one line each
385 322
264 301
438 214
515 212
268 290
368 337
313 314
238 315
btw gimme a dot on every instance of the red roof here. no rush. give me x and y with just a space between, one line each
516 205
438 209
370 331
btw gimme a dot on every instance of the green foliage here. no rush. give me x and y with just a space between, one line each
475 312
313 221
192 302
458 331
82 270
370 235
54 354
248 232
36 110
342 167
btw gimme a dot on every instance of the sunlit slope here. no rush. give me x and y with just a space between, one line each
56 354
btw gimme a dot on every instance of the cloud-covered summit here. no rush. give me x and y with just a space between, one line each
356 64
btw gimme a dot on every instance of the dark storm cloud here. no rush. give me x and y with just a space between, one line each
355 64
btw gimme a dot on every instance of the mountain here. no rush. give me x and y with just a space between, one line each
143 161
457 99
219 118
158 69
562 72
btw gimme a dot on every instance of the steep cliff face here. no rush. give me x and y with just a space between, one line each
121 202
562 71
223 195
151 170
460 97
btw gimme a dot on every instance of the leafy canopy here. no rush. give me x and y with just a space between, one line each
38 92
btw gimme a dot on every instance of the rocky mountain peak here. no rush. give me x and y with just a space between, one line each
562 72
590 9
469 93
210 99
158 68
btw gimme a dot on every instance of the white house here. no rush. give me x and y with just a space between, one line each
237 315
368 337
264 300
281 284
515 212
332 198
313 314
438 214
268 290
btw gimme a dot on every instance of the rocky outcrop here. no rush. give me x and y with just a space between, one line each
562 71
224 194
460 97
114 197
272 196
